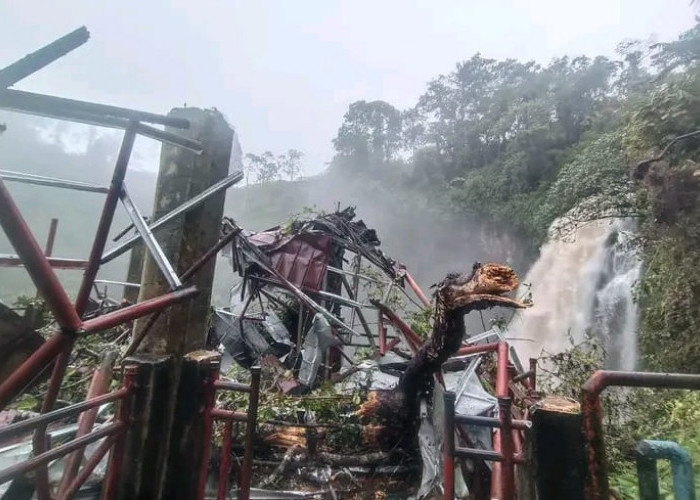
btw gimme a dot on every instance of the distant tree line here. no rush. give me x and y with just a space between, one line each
268 167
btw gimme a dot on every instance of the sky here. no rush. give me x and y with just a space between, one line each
284 72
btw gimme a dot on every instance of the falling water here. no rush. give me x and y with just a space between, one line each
579 286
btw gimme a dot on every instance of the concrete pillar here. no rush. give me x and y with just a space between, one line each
183 175
165 444
134 273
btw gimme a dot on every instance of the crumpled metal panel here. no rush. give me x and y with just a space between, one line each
368 376
317 342
301 258
472 399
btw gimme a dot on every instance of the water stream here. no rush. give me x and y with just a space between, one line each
584 284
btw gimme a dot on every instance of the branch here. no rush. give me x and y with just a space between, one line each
642 168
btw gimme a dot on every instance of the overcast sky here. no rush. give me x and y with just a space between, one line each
284 72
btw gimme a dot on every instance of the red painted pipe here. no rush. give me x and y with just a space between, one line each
33 257
99 385
448 446
416 289
54 262
116 459
247 468
51 238
500 474
597 486
59 451
40 440
87 469
129 313
507 468
502 370
477 349
225 466
414 341
105 223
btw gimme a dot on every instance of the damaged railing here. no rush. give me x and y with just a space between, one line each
70 317
506 448
597 486
250 418
113 436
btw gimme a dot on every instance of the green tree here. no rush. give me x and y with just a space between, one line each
370 135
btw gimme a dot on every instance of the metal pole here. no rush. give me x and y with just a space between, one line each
246 470
98 386
41 180
107 216
448 446
135 311
116 458
597 486
87 469
35 261
507 468
225 466
191 203
147 236
59 451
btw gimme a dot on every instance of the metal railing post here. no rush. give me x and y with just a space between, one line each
448 446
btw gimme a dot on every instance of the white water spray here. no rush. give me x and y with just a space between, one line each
583 286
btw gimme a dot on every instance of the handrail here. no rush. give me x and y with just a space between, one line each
597 486
59 451
69 411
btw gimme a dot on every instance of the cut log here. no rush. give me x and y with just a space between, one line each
557 432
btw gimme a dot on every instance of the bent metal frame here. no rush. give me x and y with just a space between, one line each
56 350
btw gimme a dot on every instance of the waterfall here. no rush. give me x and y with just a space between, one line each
583 285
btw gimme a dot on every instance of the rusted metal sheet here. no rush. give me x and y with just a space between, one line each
302 259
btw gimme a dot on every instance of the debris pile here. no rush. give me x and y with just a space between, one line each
352 389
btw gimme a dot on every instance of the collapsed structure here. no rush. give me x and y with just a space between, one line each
317 300
318 304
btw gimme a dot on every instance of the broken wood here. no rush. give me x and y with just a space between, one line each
558 448
456 295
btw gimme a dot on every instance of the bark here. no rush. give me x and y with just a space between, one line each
456 296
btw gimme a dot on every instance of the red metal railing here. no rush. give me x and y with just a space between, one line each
597 487
506 452
113 435
250 418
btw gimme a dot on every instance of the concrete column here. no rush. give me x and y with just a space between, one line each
134 273
165 443
183 175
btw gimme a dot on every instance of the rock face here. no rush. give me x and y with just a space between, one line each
17 341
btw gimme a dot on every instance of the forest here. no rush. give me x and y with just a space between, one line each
518 146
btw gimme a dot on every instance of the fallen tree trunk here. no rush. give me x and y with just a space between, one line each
456 296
